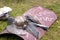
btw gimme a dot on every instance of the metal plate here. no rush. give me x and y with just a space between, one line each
13 29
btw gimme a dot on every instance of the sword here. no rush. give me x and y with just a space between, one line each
41 26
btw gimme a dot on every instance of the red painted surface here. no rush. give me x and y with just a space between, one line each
44 16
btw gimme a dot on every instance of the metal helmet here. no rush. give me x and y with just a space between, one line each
20 21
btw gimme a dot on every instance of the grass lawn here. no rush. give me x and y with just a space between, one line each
19 8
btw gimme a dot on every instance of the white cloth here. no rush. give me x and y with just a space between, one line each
1 13
4 10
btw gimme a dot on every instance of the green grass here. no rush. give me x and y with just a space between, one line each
19 8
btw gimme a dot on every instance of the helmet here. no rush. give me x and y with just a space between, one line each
20 21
